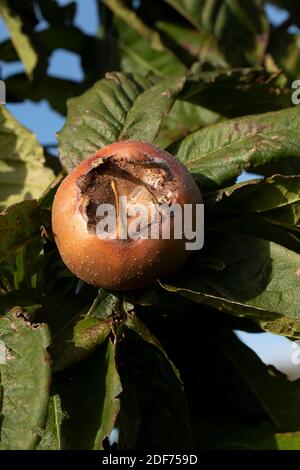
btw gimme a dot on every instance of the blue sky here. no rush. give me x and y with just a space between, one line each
39 117
45 122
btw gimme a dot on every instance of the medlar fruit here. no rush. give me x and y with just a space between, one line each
142 176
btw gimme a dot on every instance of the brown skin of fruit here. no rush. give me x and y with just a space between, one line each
118 264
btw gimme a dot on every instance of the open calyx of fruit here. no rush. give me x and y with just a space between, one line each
129 181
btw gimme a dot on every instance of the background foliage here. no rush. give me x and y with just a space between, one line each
210 81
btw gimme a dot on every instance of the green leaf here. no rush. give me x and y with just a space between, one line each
257 226
141 46
25 381
285 48
151 107
271 193
182 119
114 108
19 225
260 281
97 117
288 441
119 8
88 397
77 340
267 209
52 434
253 397
222 403
219 153
105 305
286 166
231 23
137 55
8 52
277 395
196 43
46 199
58 37
60 308
23 174
192 10
277 199
22 42
237 92
208 96
55 90
97 56
154 412
136 325
111 402
129 16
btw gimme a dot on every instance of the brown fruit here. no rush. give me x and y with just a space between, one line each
124 168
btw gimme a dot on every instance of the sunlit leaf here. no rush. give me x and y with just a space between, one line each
22 42
24 380
23 174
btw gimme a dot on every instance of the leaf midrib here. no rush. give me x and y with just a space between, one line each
242 140
56 422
